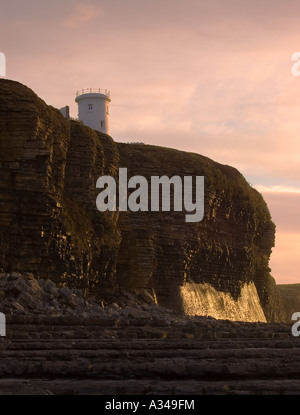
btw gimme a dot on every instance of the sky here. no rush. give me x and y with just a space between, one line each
213 77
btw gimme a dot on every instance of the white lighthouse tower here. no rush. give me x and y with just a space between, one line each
93 108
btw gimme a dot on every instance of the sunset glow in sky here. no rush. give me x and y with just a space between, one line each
208 76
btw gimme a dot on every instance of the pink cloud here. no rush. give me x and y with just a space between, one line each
277 189
82 14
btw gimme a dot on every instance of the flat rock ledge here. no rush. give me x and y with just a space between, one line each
57 343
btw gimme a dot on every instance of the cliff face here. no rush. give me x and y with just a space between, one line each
49 224
227 251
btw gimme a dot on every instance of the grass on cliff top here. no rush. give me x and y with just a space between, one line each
290 289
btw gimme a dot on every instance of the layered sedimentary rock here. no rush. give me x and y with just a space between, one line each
148 351
48 218
50 226
228 249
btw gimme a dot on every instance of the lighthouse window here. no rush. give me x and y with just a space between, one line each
102 124
90 107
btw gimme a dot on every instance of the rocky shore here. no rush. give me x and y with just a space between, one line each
58 343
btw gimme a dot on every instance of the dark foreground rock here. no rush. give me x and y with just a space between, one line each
79 346
134 355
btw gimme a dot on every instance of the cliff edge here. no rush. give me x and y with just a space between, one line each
50 226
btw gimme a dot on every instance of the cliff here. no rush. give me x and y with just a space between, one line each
290 294
50 226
